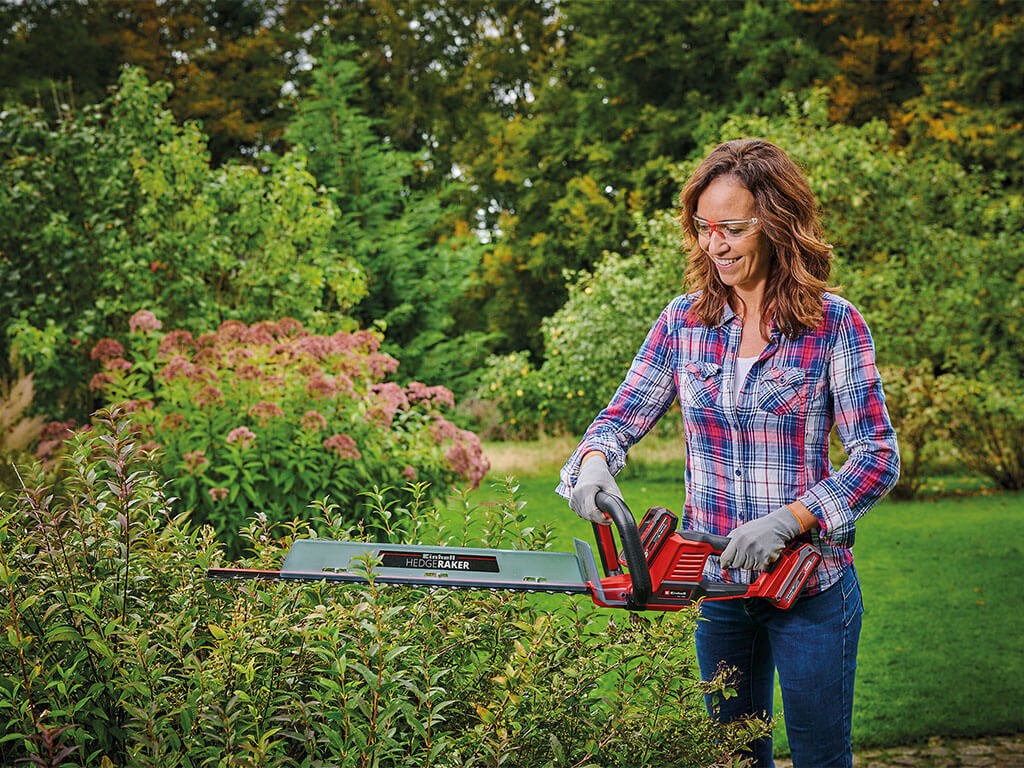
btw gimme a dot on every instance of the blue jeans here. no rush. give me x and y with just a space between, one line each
814 647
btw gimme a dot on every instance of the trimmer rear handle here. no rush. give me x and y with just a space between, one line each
666 565
718 543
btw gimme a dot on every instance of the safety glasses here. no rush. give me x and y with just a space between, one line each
734 229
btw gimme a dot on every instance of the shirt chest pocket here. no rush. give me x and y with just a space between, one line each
701 384
781 391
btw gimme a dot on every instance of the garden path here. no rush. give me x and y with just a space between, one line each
994 752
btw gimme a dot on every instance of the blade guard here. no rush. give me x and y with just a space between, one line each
665 566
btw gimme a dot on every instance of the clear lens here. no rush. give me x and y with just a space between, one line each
730 230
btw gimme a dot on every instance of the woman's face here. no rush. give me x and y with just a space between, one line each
742 262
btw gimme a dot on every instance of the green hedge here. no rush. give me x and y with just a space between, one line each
117 652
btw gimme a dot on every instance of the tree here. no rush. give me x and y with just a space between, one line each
971 107
431 71
629 89
227 59
876 52
413 246
30 33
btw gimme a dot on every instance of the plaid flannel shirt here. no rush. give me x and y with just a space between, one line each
748 456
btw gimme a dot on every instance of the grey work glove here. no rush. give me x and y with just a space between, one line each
754 545
594 476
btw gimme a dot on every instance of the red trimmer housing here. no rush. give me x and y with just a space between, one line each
666 565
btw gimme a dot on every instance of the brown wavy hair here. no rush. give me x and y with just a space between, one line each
787 217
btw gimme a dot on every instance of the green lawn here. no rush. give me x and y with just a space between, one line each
940 650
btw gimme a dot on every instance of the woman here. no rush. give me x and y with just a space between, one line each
764 361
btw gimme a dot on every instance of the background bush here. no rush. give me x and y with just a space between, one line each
264 418
117 652
116 208
985 419
914 403
590 342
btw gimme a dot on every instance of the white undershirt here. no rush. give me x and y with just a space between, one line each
743 366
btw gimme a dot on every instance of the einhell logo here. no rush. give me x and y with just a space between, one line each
439 561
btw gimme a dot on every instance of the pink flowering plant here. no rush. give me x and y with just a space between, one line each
268 417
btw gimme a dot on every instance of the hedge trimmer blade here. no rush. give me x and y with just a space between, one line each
426 566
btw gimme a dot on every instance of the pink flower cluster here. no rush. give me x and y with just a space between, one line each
466 458
241 435
442 430
264 411
176 342
196 462
420 393
100 380
137 406
248 372
180 367
51 436
343 446
173 421
144 321
465 455
106 349
150 447
208 395
389 399
320 387
313 421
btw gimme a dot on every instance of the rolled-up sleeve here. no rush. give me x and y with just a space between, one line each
643 397
873 464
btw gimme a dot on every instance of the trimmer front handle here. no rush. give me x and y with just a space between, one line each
639 576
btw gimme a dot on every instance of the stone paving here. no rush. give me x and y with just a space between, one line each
995 752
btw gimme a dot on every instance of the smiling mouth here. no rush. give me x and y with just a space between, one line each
727 262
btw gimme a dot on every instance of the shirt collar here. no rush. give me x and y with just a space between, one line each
728 314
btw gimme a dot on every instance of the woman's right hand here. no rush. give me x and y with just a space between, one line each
594 476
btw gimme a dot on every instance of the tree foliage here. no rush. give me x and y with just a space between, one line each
944 75
227 59
414 246
971 107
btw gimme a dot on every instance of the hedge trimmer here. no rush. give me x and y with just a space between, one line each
664 566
